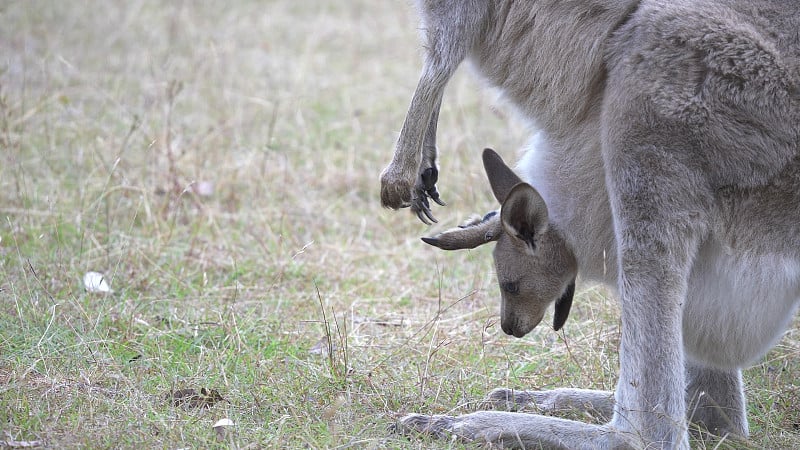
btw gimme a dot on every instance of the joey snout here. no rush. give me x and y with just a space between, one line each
519 316
519 324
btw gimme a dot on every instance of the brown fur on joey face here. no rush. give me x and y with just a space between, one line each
530 283
534 265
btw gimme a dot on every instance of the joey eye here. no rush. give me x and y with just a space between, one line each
510 287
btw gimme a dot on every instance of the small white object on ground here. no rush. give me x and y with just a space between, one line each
96 282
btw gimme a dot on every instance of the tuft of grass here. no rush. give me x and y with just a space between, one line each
218 164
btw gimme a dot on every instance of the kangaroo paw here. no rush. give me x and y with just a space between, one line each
395 190
426 189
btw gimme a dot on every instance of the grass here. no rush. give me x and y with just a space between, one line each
219 163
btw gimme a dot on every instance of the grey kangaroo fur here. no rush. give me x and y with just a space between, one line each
670 144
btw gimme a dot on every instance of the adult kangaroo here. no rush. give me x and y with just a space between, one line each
688 104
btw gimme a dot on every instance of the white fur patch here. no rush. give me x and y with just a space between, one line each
738 305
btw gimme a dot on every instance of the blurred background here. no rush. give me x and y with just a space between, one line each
217 164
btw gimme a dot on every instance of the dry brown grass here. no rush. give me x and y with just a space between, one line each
114 116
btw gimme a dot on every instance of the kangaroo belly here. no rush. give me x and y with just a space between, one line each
738 305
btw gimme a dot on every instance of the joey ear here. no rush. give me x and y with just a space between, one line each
469 235
524 215
501 177
563 306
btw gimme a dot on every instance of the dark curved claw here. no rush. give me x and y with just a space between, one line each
425 189
428 218
429 178
421 207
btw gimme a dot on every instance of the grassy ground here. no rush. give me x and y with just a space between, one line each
219 165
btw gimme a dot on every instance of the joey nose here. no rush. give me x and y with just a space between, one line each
512 329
